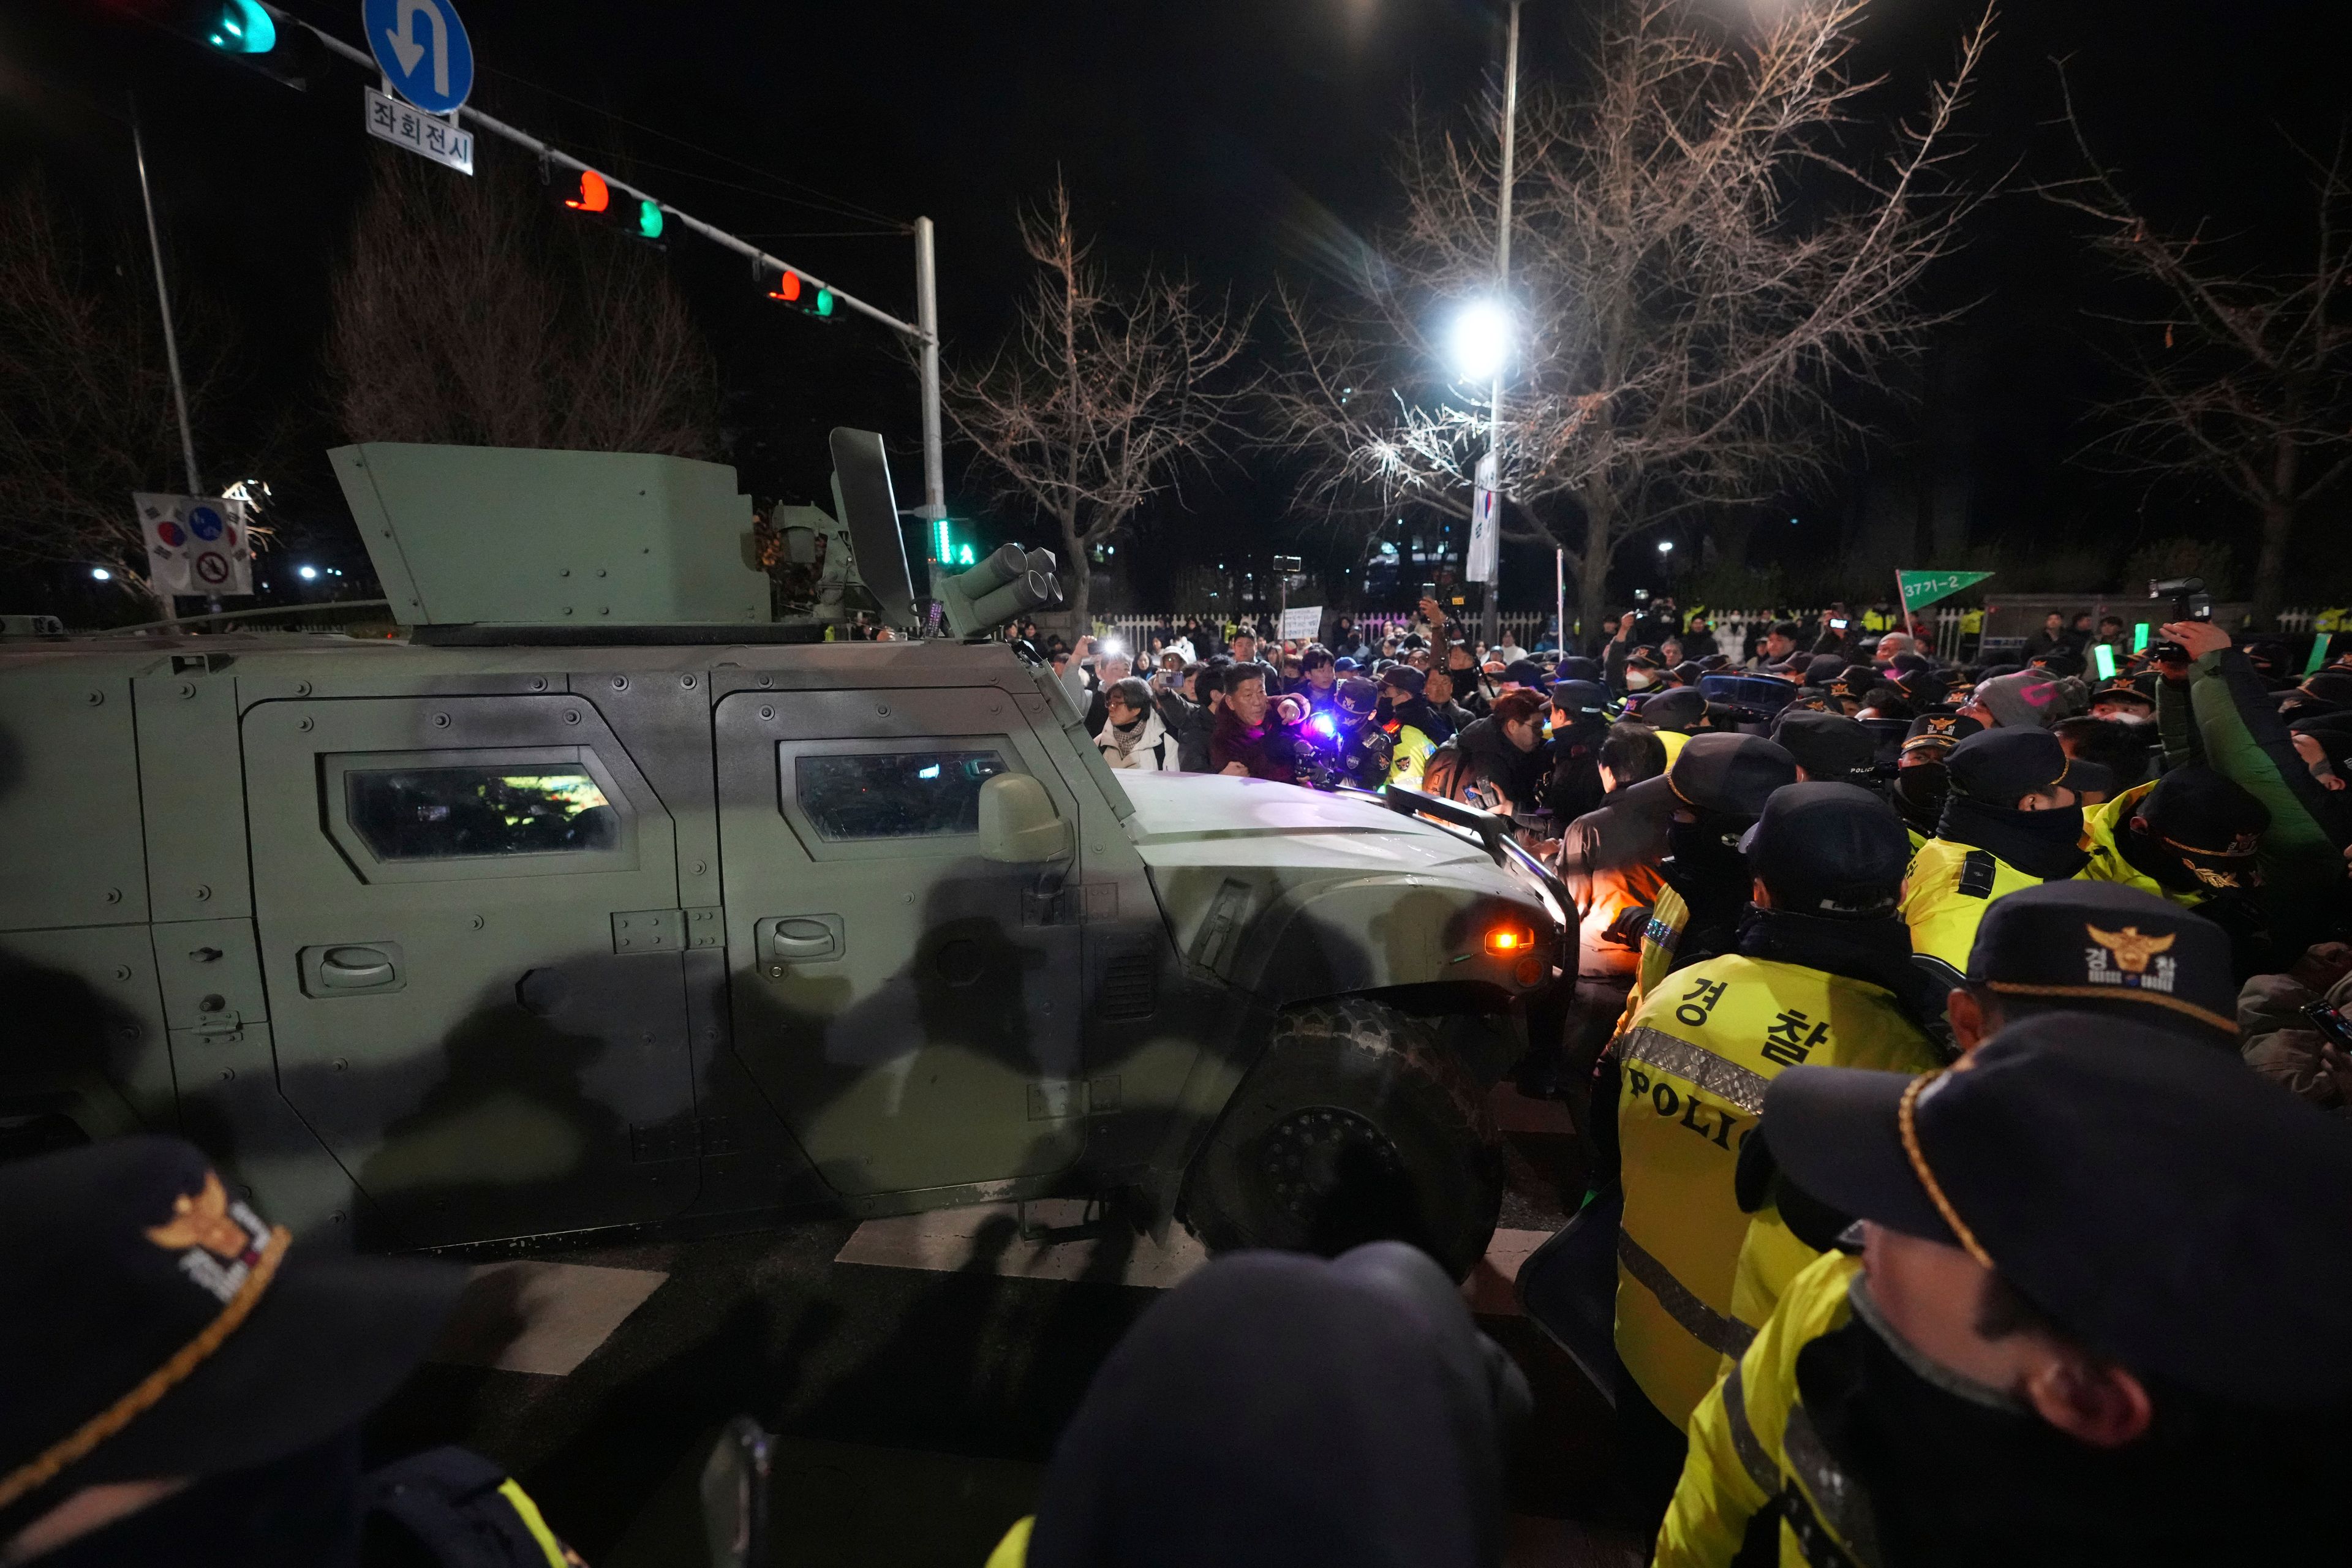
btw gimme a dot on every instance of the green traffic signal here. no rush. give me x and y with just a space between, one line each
825 301
242 27
649 220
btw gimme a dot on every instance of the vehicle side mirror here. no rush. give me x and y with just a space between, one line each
1018 825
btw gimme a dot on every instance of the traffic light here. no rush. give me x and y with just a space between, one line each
247 33
241 28
948 550
789 288
594 196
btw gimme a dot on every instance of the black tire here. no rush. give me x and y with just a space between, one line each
1354 1126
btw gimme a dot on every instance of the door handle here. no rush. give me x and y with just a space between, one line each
355 969
803 940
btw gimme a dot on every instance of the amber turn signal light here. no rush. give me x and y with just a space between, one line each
1509 941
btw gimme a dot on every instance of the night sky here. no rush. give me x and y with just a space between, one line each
1243 139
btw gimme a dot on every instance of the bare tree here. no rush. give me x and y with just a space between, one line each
2251 389
1102 395
465 315
86 414
1700 267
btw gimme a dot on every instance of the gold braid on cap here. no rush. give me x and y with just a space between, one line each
1907 1122
76 1444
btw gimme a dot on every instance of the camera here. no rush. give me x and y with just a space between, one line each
2190 602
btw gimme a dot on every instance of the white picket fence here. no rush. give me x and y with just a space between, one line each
1948 639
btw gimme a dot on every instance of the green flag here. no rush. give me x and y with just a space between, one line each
1921 589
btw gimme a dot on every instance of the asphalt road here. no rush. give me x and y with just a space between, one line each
916 1385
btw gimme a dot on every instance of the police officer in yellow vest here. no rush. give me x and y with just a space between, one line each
2188 837
2087 948
1718 785
1818 975
2008 823
2095 1266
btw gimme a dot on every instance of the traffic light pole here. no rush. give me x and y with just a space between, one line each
923 333
926 322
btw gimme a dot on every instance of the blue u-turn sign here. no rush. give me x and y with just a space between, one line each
423 48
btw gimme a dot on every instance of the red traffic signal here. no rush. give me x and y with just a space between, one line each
596 196
789 287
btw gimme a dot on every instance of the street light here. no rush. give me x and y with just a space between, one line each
102 574
308 573
1480 343
1665 547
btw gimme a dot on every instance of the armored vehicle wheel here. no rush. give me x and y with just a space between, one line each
1355 1126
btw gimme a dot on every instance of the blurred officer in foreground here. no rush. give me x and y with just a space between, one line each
2010 823
1282 1411
1820 976
2102 953
185 1383
2093 1320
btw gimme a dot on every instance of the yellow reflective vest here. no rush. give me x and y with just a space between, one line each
1949 890
1413 748
2103 825
1012 1552
1753 1449
1693 1065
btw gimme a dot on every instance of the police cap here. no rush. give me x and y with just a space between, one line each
1580 699
1939 732
1358 697
148 1303
1927 688
2000 767
2105 948
1828 746
1731 775
2210 820
1853 679
1828 849
1405 678
1526 672
2174 1211
1821 669
1678 709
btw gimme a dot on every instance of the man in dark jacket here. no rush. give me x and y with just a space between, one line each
1502 754
1580 722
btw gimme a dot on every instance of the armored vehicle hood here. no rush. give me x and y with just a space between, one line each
1192 819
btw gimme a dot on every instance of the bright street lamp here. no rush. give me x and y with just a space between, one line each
306 572
1665 547
102 574
1480 345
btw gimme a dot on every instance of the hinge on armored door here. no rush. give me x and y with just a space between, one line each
649 931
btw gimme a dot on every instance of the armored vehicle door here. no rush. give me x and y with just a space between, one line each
469 925
910 1009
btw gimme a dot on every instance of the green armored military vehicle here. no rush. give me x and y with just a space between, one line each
606 901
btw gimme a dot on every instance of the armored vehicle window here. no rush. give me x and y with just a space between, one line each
444 813
894 794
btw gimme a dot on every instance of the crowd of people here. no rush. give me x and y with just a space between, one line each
1964 1052
1963 1055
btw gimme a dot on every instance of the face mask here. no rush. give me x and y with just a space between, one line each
1920 791
1639 681
1701 855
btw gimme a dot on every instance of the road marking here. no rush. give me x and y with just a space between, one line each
984 1238
542 1318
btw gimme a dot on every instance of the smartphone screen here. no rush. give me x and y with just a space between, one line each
2139 637
1837 625
2103 657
